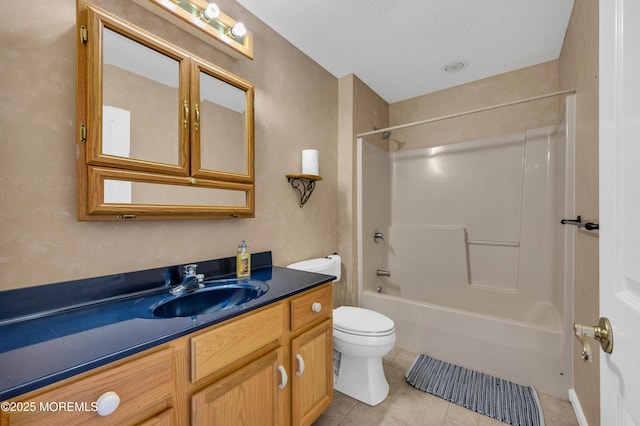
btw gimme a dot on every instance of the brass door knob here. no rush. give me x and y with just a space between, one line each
602 332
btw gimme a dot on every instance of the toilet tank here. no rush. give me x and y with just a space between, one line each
329 265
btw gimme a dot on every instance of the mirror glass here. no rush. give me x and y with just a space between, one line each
145 193
223 138
140 99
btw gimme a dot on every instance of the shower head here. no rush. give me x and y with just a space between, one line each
385 135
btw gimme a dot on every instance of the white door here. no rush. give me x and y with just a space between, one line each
620 209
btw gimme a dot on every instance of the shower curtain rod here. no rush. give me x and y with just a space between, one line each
473 111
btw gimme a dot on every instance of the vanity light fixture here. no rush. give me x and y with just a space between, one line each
238 30
206 21
211 12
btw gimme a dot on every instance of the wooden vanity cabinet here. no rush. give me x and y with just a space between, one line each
311 355
312 390
144 385
249 396
272 366
290 384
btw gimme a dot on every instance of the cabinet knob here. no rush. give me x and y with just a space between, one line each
285 378
107 403
316 307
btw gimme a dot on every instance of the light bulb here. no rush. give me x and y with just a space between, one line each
212 11
238 30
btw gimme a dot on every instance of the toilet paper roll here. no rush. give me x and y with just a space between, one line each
310 162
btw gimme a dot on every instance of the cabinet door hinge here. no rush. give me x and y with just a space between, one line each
84 35
83 133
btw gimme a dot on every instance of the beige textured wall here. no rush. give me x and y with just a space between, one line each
579 69
360 110
523 83
345 292
370 111
296 107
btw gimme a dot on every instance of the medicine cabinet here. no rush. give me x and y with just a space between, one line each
162 134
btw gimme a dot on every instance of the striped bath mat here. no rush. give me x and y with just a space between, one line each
500 399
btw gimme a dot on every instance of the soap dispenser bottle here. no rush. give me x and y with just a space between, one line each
243 261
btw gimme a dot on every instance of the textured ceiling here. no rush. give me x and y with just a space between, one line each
400 47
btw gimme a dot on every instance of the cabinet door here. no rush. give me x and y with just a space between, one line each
144 386
222 139
250 397
138 99
312 373
166 418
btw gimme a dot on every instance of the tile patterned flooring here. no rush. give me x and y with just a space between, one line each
406 405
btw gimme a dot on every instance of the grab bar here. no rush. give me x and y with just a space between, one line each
494 243
589 226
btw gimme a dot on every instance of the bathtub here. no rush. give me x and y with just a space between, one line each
519 351
488 288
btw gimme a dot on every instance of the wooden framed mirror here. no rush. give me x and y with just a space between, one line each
169 119
219 147
138 195
137 112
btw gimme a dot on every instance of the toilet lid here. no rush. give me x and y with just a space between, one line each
360 321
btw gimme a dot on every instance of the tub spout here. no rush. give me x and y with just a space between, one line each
382 273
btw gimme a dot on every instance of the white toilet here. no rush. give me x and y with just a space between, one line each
361 338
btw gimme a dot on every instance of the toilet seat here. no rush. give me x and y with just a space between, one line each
362 322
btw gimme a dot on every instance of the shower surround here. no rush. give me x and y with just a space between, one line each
481 268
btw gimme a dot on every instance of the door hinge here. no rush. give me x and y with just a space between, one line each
83 133
84 35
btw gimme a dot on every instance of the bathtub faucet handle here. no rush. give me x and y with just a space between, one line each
377 235
383 273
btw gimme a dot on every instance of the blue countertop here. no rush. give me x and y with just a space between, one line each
56 342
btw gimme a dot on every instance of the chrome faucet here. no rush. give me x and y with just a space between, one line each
190 280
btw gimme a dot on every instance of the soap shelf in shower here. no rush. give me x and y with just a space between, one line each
589 226
304 184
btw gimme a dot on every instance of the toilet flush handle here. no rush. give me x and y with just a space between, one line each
316 307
